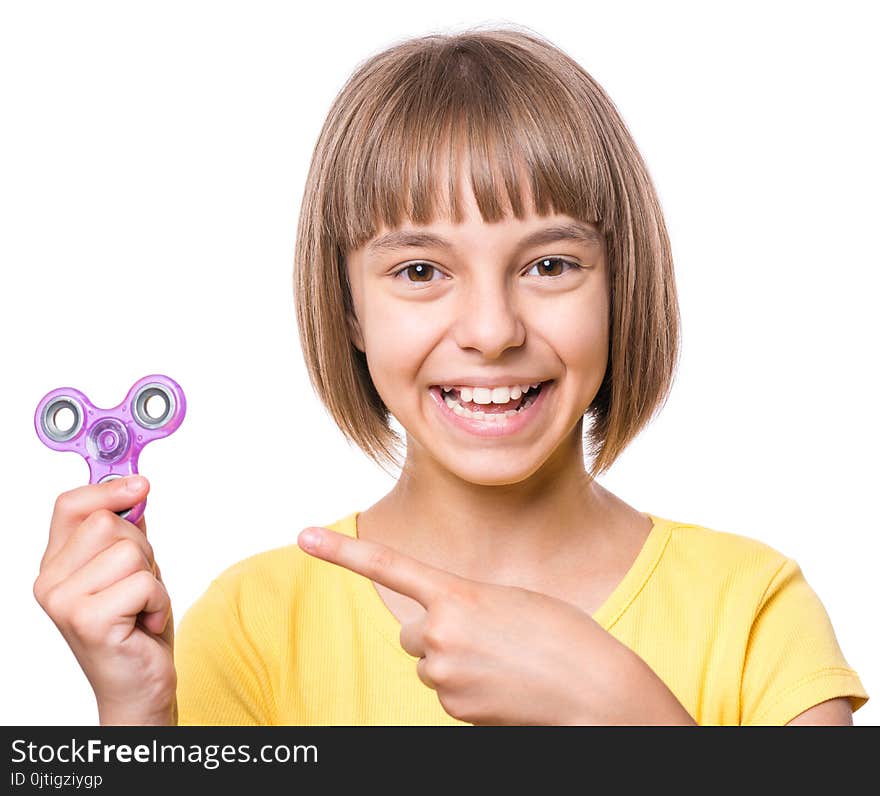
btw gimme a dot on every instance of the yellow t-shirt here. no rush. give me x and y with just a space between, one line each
727 622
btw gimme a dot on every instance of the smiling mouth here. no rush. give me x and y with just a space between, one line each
471 408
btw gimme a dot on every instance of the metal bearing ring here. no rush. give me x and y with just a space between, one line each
139 404
48 419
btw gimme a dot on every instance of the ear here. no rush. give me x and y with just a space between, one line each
354 332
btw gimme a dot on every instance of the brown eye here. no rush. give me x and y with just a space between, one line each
552 266
420 270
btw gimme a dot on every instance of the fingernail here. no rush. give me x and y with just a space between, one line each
310 539
134 483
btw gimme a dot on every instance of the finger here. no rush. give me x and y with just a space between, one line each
95 534
117 562
380 563
72 507
412 637
139 593
422 672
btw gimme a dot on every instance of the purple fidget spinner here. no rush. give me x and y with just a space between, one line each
110 440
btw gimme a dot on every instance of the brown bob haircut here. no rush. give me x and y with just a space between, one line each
510 100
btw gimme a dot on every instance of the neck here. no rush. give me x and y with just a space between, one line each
481 531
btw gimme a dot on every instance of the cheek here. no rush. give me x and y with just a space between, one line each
578 332
398 340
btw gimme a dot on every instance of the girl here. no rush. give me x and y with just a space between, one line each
481 255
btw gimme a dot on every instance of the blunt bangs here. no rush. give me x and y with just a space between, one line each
461 104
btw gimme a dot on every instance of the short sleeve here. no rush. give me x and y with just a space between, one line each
793 660
221 678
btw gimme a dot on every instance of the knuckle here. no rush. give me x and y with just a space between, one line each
463 593
130 554
436 633
39 590
438 671
381 559
143 581
55 603
101 522
63 505
107 517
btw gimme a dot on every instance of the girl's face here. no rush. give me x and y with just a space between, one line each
485 305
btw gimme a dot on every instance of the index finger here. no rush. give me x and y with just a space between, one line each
72 507
380 563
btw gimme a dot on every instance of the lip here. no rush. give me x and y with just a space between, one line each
489 383
491 428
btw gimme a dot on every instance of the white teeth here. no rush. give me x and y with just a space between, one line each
489 395
482 395
496 417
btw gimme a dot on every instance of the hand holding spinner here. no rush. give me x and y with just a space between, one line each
110 440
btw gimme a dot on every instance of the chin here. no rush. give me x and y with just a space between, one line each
504 474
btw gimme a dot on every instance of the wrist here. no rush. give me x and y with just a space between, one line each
655 703
131 715
623 689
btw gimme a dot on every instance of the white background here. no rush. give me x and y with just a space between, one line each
152 160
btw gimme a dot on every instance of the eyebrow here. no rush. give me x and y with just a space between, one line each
569 230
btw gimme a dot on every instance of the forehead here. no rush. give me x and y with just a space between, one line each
442 230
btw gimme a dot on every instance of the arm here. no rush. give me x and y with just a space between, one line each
831 713
794 670
654 701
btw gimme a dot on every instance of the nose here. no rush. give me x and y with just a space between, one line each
488 318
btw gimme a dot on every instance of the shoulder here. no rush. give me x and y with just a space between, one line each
722 545
723 556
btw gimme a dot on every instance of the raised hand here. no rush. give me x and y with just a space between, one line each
100 584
